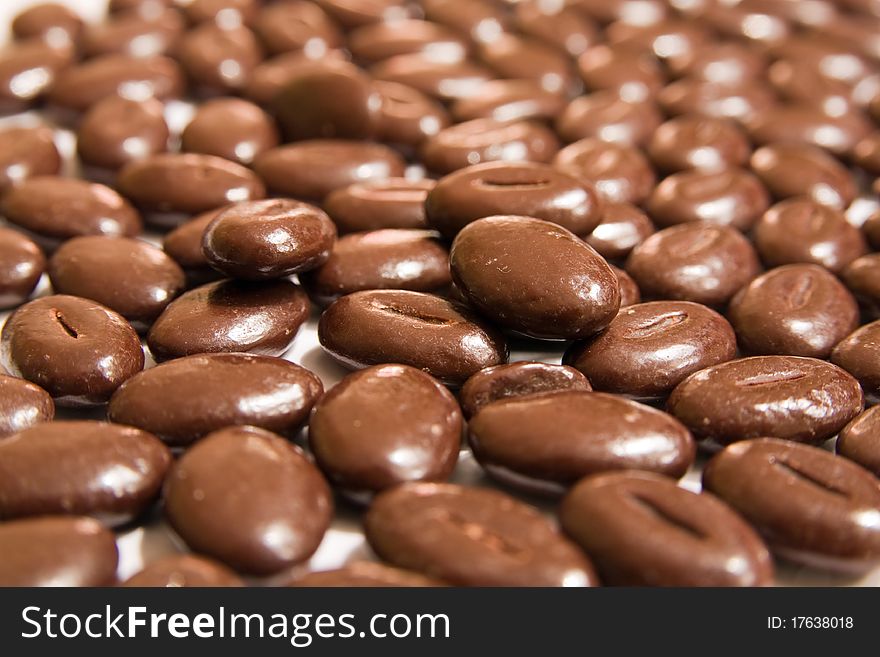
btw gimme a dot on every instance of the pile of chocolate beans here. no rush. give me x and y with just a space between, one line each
618 259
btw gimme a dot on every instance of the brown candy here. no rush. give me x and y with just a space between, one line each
184 571
619 172
742 102
529 59
698 142
21 265
52 22
383 40
184 246
364 574
837 133
862 278
631 72
230 128
134 34
390 203
623 227
859 354
559 24
22 405
859 440
791 169
27 71
407 116
117 130
292 26
444 80
608 116
217 59
25 153
510 100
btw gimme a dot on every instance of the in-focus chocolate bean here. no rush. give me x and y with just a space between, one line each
862 278
52 22
107 471
794 398
391 203
54 209
26 153
22 405
488 140
513 56
230 316
364 574
312 169
77 350
619 172
793 169
801 230
250 499
27 71
811 506
798 310
57 551
117 130
134 278
694 261
573 294
622 227
137 78
608 116
520 379
644 530
591 432
231 128
218 59
859 354
294 26
363 448
407 116
445 80
187 183
512 188
395 259
731 197
134 34
21 265
649 348
264 240
184 246
184 399
433 334
510 100
184 571
698 142
629 71
472 537
859 440
385 39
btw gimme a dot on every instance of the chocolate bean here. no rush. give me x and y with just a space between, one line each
867 153
394 259
694 261
184 246
250 499
643 530
609 117
219 59
117 130
364 574
521 379
391 203
49 21
862 278
575 293
559 24
650 348
811 506
859 354
230 316
798 399
25 153
798 310
222 12
666 39
77 350
110 472
262 240
791 169
510 100
407 116
801 230
488 140
731 197
428 332
353 13
230 128
619 172
698 142
184 571
185 399
871 229
385 39
134 34
859 440
622 227
740 101
806 123
629 289
27 72
481 20
472 537
727 63
512 56
270 76
521 188
445 80
22 405
509 439
364 449
21 265
132 277
312 169
57 551
139 7
54 209
294 26
629 71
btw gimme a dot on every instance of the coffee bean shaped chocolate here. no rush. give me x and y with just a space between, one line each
510 100
796 310
295 26
806 123
644 530
364 574
219 59
250 499
49 22
627 70
572 292
407 116
425 331
391 203
117 130
514 56
184 246
562 26
57 551
798 399
592 432
230 316
650 348
107 471
698 142
619 172
230 128
184 399
21 266
27 71
859 354
364 449
221 12
501 188
26 153
22 405
859 440
472 537
607 116
184 571
862 278
79 351
514 380
448 81
811 506
866 153
380 259
139 35
622 227
743 102
384 39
